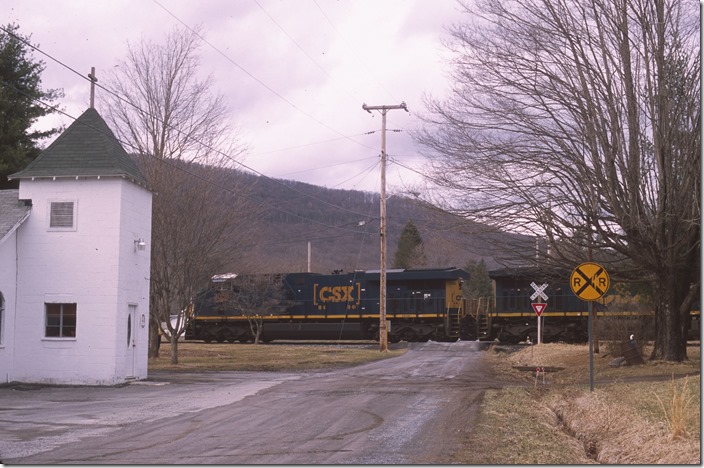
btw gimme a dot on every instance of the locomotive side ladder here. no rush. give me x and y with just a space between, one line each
482 316
453 308
453 320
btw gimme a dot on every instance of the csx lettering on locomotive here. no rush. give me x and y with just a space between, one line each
326 294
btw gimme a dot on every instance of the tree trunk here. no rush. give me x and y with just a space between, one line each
258 332
174 348
154 339
256 326
673 302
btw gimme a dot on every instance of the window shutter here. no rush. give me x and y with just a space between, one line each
61 215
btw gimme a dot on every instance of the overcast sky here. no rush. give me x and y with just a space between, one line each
295 72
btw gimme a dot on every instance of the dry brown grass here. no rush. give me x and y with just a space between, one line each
677 411
516 428
575 361
196 356
621 422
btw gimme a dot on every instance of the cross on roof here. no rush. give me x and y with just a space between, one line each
93 80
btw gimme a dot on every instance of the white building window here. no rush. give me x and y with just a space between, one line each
60 320
62 215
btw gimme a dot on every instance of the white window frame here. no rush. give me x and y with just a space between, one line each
62 327
74 220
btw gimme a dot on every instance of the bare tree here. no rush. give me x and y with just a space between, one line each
179 127
578 122
257 296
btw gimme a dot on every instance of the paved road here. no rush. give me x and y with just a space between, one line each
410 409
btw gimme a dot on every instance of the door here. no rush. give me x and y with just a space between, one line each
131 343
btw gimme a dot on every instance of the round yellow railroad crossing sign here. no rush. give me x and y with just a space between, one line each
589 281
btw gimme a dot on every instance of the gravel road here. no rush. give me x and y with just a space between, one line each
411 409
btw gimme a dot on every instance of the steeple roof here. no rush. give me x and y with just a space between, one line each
87 148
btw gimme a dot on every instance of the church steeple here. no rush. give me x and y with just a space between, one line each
87 148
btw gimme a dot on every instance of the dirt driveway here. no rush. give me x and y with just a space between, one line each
411 409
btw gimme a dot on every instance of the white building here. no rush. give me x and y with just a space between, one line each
74 263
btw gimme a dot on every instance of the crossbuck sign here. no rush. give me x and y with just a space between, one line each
539 291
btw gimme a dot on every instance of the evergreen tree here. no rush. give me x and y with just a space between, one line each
410 252
479 284
22 102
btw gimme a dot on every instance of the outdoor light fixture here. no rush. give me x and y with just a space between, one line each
139 244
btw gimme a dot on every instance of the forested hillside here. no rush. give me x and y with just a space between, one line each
281 217
342 227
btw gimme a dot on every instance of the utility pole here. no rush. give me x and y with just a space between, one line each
383 329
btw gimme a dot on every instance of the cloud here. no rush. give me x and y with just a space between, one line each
295 73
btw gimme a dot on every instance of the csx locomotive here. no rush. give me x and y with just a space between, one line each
422 305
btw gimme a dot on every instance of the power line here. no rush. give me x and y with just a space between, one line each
398 163
334 28
308 144
329 166
343 227
264 85
273 20
170 163
215 150
299 47
204 179
368 171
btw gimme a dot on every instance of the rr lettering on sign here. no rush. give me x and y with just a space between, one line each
599 283
589 281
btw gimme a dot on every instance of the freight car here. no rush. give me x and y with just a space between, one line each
509 317
422 304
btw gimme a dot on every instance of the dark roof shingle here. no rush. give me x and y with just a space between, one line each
86 148
12 212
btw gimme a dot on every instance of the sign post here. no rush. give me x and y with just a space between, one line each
590 281
539 307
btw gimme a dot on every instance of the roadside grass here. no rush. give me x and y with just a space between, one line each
624 421
676 412
197 356
515 427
